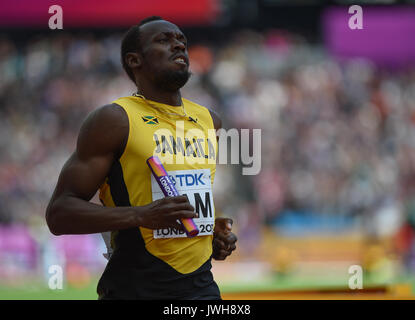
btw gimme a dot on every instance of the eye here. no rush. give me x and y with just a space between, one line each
183 40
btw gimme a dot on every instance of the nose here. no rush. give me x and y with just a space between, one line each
178 45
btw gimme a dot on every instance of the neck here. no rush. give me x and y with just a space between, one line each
170 98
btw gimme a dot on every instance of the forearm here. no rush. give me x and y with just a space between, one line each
71 215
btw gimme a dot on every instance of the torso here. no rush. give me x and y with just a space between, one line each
168 253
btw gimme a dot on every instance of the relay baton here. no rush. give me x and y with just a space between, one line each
169 190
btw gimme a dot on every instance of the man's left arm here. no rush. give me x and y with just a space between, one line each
224 240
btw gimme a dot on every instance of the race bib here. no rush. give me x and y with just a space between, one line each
196 184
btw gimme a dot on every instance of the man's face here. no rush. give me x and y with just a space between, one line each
164 52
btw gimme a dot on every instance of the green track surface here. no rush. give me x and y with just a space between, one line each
41 292
36 291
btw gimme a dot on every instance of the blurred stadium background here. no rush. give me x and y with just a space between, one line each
337 112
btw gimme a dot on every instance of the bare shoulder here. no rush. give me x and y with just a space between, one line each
217 121
107 115
104 129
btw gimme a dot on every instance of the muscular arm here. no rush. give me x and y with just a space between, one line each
102 139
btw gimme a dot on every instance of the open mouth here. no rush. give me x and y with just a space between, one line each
180 60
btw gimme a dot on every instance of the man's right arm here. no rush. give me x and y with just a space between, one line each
101 140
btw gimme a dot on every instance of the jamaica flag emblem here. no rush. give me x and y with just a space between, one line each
150 120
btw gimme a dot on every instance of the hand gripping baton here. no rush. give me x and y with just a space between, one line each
169 190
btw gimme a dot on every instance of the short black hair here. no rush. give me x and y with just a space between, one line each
131 43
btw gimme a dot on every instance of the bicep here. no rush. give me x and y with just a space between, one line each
101 138
81 177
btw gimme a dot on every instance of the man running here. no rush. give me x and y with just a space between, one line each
151 256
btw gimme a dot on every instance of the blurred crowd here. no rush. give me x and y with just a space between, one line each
338 138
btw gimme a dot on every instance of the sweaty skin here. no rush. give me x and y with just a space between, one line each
223 239
102 139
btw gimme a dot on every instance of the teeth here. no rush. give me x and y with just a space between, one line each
179 60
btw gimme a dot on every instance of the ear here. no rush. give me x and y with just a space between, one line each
133 60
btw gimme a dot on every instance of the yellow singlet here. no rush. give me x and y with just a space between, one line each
187 148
